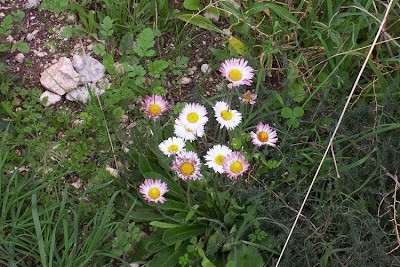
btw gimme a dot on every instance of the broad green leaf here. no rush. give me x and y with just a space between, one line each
167 257
157 66
126 45
164 225
246 256
298 112
144 165
200 22
146 216
171 236
278 10
192 4
287 113
145 39
108 62
172 205
191 212
21 47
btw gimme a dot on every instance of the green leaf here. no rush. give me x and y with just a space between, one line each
287 113
108 62
145 39
298 112
167 257
278 10
293 122
172 205
171 236
126 45
118 112
164 225
191 212
192 4
200 22
146 216
21 47
297 92
246 256
144 165
107 23
157 66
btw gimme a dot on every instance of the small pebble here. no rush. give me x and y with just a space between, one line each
185 80
41 54
19 58
9 39
205 68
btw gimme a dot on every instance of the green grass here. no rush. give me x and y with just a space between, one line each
306 55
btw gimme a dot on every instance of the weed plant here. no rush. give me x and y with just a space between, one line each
306 55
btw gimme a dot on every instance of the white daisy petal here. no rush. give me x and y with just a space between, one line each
194 116
226 117
237 72
172 146
215 157
153 190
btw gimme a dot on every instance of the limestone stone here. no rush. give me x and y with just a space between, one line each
61 77
88 68
48 98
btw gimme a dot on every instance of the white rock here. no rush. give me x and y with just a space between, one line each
185 80
60 78
51 98
90 47
31 36
134 265
41 54
9 39
90 70
82 94
78 63
2 15
19 58
31 4
205 68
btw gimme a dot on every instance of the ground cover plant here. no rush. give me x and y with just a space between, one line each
202 148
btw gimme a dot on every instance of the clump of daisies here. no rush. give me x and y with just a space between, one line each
190 124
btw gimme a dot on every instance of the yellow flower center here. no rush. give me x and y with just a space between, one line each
193 117
187 168
226 115
154 109
247 98
236 167
235 75
154 193
262 136
219 159
172 148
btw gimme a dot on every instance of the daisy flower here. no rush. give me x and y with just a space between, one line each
172 146
153 190
154 106
215 157
248 97
187 165
235 165
193 115
226 117
264 135
187 133
237 72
